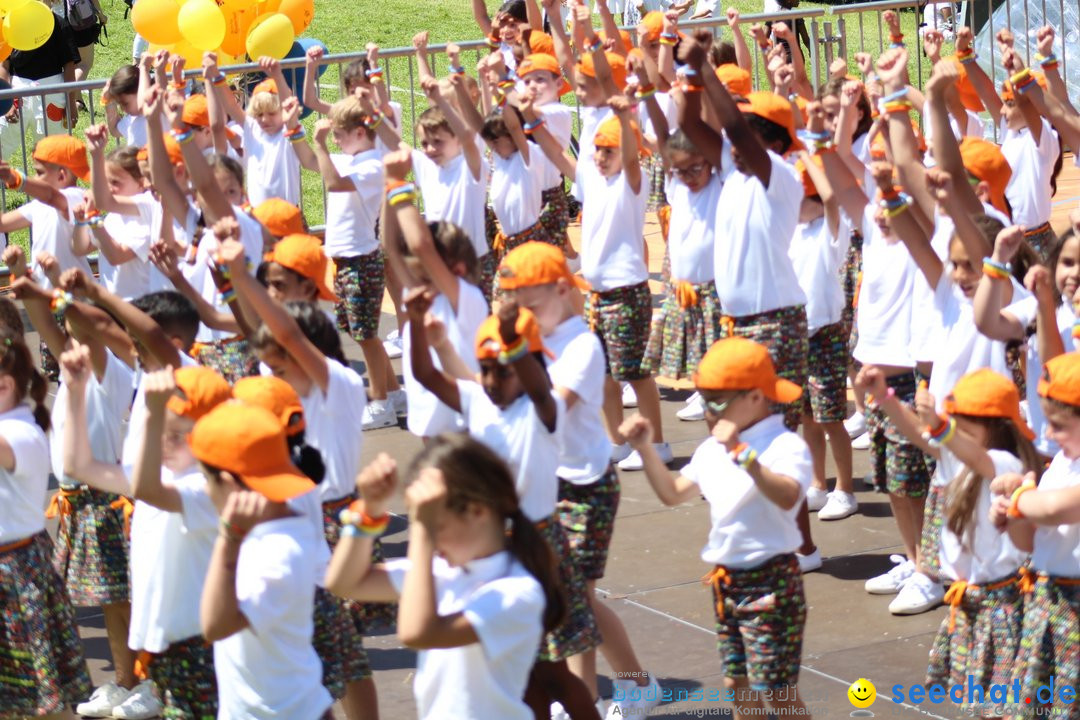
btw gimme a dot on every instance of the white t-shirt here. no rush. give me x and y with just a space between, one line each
753 271
52 233
270 166
692 231
182 233
170 554
515 191
107 404
1056 549
989 555
667 108
973 127
579 366
131 279
333 427
395 121
133 128
517 435
612 229
1028 191
427 416
885 299
504 605
23 490
136 428
747 528
351 216
451 193
591 118
817 256
201 278
559 120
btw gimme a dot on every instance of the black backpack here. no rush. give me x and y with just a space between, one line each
80 14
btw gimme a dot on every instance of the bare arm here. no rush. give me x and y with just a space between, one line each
671 488
437 381
146 482
311 74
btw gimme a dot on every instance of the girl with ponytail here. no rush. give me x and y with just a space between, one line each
479 586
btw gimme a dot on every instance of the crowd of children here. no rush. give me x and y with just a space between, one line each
207 431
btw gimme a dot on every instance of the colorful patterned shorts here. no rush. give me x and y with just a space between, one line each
555 215
760 631
359 282
933 521
42 669
338 643
1050 640
680 336
783 332
849 278
984 639
578 632
621 318
1041 240
897 463
184 675
826 379
366 616
587 514
91 550
233 358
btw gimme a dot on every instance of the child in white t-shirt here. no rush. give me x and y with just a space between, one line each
122 90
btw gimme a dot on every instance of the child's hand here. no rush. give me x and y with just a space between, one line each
849 94
620 104
892 68
782 79
290 111
963 39
178 62
1006 484
174 109
581 17
146 61
1044 39
637 430
151 103
426 498
244 510
1011 60
210 70
15 259
226 229
999 511
78 284
161 60
1037 281
160 386
377 483
270 66
420 41
313 55
926 406
893 22
732 17
882 173
397 164
417 302
231 254
23 288
6 172
815 117
50 266
453 54
691 52
322 130
942 78
508 317
1007 243
97 137
782 31
871 380
726 433
75 368
435 329
1004 38
838 69
372 54
932 41
165 259
939 183
865 63
757 32
430 86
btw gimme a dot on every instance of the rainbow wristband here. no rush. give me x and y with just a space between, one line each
61 299
183 137
530 128
996 270
512 353
595 45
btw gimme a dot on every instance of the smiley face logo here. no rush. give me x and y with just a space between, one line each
862 693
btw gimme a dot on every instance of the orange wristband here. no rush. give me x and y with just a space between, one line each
1014 502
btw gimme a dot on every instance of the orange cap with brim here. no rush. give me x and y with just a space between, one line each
280 217
735 79
542 62
540 42
248 442
273 394
615 60
267 85
968 97
809 188
985 393
776 109
489 340
65 151
1061 379
200 390
303 254
985 161
739 364
196 112
535 263
653 25
1007 90
609 135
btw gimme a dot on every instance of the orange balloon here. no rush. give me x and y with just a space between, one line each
301 12
265 7
237 24
5 51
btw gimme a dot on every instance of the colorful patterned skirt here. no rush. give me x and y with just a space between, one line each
1050 640
686 326
233 358
91 550
42 669
579 632
338 643
555 215
184 675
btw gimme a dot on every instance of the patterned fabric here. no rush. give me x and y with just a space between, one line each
536 233
933 521
760 615
184 675
232 358
826 380
488 265
783 332
359 282
897 463
849 278
338 643
1050 640
555 215
366 616
681 335
91 550
42 669
587 514
621 318
652 167
579 631
1041 239
979 637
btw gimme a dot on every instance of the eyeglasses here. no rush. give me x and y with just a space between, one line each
718 408
691 171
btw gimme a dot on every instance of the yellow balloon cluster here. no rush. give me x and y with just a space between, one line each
229 27
27 25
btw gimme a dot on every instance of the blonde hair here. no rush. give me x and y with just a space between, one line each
347 114
263 103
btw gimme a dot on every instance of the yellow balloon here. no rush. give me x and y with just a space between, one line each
271 36
202 24
301 12
191 54
155 20
28 26
7 6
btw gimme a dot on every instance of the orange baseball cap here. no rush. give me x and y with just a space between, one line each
535 263
199 390
739 364
196 112
609 134
985 161
968 97
489 340
249 442
267 85
275 395
1006 87
545 63
615 60
652 24
303 254
985 393
735 79
280 217
809 188
541 43
65 151
1061 379
776 109
172 149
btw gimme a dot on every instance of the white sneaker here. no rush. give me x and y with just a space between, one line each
632 700
141 704
839 506
919 594
891 582
399 402
629 397
862 442
392 345
809 563
816 498
378 414
102 701
620 452
855 425
694 410
558 712
633 461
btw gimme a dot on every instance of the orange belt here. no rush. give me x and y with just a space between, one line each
499 243
594 312
125 504
1027 580
60 506
1037 230
685 294
955 595
716 577
142 664
858 289
1059 580
727 325
663 216
17 545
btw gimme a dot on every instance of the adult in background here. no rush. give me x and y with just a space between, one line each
87 21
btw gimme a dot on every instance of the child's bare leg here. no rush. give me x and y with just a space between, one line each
377 362
747 704
841 452
361 701
117 620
